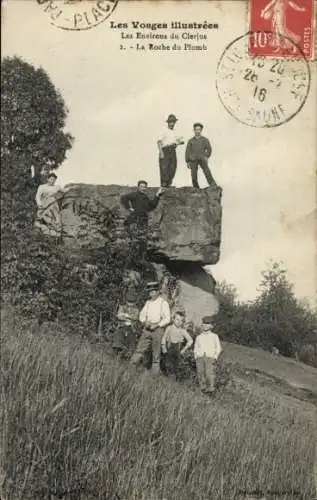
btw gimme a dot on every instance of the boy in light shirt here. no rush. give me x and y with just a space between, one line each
173 343
206 352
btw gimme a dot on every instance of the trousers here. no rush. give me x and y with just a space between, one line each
168 166
203 163
124 337
206 373
51 217
172 359
150 339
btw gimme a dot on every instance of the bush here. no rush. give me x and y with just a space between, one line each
276 318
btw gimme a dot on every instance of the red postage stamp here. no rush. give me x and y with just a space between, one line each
282 28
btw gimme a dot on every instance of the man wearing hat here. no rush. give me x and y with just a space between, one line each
126 331
206 352
167 144
154 316
48 213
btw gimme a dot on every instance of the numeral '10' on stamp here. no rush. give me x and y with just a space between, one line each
281 28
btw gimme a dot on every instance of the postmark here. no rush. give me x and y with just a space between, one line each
261 91
274 23
77 15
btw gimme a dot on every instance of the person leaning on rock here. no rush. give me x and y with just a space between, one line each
154 316
48 212
198 151
207 349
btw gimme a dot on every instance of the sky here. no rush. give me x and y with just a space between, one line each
118 102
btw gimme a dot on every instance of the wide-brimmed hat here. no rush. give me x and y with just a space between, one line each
171 119
152 285
207 320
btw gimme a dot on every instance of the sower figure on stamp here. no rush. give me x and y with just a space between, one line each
139 206
206 352
173 343
155 316
167 144
198 151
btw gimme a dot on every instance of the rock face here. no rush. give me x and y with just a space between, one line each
184 235
185 227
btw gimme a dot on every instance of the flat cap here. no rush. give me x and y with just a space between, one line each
207 320
152 285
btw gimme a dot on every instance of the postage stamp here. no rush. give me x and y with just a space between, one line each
77 15
261 91
275 24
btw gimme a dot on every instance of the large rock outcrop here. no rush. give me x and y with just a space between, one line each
185 227
184 235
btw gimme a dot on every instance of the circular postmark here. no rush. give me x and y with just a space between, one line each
77 15
261 91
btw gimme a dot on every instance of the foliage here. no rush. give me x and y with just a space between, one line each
78 425
32 122
39 276
276 318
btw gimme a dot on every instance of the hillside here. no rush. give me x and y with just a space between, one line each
81 425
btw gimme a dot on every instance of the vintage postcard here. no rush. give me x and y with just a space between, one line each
158 257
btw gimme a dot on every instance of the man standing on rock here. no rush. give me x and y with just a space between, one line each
206 352
139 206
198 151
167 144
155 316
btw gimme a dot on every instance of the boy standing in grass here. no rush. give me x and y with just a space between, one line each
173 343
206 352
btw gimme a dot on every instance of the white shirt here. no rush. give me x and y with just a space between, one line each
46 195
169 137
176 335
207 344
157 312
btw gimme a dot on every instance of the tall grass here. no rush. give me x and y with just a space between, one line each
77 424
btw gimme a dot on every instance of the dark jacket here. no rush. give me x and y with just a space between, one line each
140 202
197 149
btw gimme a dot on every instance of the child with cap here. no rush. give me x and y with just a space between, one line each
206 352
173 343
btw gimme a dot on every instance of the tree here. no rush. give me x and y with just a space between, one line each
282 320
32 122
32 127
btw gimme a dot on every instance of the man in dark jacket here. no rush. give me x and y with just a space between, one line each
198 152
139 205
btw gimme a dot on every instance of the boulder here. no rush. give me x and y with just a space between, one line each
185 227
184 236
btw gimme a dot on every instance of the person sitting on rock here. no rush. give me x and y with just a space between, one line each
206 352
48 213
154 316
198 151
125 334
173 343
139 206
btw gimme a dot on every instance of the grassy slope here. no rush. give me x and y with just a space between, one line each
78 424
